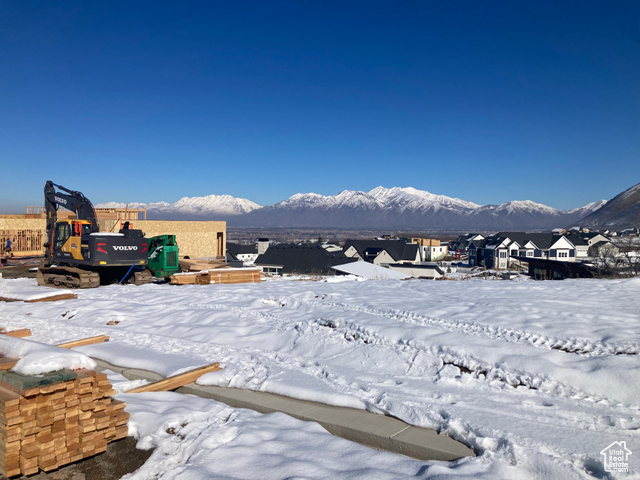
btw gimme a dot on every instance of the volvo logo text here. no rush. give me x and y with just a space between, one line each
60 200
125 247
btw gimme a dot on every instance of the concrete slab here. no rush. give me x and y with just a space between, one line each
137 374
427 444
373 430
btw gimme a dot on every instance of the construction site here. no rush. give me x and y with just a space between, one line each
63 239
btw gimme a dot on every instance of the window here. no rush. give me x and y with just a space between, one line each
63 232
503 254
563 254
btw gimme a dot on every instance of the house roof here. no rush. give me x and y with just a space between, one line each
397 249
478 243
301 258
578 239
543 241
370 271
237 249
401 266
601 244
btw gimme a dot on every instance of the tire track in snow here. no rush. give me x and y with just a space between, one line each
573 346
352 331
478 368
267 363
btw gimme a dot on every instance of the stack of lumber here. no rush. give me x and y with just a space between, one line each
235 275
198 265
50 420
218 275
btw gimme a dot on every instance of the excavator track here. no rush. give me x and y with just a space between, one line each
67 277
142 278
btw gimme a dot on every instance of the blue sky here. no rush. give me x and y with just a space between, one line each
155 100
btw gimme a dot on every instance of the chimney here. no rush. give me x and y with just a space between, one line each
263 244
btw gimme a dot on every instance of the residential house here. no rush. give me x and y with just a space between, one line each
472 250
292 258
604 248
382 252
419 271
246 254
431 249
581 243
497 251
491 252
461 244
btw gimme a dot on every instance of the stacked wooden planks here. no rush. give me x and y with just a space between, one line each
197 265
218 275
50 420
235 275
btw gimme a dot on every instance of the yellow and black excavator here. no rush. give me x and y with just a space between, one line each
78 255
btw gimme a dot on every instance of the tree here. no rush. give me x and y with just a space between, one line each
618 258
629 252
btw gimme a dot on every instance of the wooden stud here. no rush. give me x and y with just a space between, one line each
177 381
85 341
19 333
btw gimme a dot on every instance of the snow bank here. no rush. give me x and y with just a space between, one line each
27 289
537 377
200 439
37 358
370 271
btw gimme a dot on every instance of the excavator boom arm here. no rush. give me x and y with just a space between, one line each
71 200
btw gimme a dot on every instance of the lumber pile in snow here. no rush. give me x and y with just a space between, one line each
218 275
197 265
53 419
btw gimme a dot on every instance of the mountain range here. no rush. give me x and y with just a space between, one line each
622 211
380 208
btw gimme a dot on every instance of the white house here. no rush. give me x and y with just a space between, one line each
246 254
496 251
382 252
431 250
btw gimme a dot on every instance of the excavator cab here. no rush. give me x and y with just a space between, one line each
67 238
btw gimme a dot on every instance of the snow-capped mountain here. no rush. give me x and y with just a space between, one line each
380 208
411 199
209 207
408 208
619 213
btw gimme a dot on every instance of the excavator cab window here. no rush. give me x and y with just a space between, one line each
63 232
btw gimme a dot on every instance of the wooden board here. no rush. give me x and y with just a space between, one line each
51 298
19 333
7 363
177 381
218 276
85 341
54 298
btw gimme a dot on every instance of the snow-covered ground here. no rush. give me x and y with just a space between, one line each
537 377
